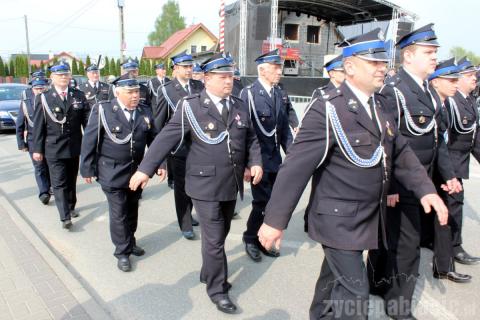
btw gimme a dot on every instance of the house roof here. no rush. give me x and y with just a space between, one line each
162 51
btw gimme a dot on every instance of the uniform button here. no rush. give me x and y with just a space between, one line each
357 141
201 172
133 141
335 210
234 164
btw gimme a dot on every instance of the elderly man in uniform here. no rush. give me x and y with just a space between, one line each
168 97
159 80
94 89
345 142
60 113
463 141
222 142
270 120
115 140
444 81
130 69
336 73
25 133
393 272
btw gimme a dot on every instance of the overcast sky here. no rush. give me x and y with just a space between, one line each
91 26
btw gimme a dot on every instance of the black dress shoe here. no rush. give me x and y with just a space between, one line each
44 198
124 264
74 214
67 224
137 251
253 252
195 222
270 253
226 305
452 276
189 235
465 258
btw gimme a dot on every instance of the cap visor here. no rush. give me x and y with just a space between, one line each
377 56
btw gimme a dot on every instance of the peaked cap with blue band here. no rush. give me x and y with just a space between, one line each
39 82
159 66
92 67
130 64
445 69
422 36
335 64
272 57
465 65
38 74
197 68
182 59
61 67
219 62
368 46
124 81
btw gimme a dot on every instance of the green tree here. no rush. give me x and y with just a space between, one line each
167 23
74 67
21 66
42 66
2 68
113 68
11 68
106 69
81 67
460 52
7 71
88 61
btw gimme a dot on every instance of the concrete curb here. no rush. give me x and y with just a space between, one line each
70 278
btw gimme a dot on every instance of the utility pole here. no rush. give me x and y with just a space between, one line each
28 46
121 4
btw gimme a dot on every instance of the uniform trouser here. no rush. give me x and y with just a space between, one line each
341 291
169 171
393 272
215 218
41 175
183 203
123 212
261 193
454 203
63 177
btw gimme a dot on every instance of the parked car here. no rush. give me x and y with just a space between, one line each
10 97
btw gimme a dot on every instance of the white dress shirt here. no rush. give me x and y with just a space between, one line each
216 101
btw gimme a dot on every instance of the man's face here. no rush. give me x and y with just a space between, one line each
93 76
129 97
366 75
198 76
61 79
160 72
423 58
468 82
133 73
337 76
445 87
271 72
183 73
219 84
38 90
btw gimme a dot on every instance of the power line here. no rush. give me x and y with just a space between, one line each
89 28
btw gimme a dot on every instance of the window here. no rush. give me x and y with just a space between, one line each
291 32
313 34
204 48
193 49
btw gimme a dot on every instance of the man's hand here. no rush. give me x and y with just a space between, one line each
88 180
247 176
452 186
432 200
37 156
162 174
256 172
392 200
139 179
270 237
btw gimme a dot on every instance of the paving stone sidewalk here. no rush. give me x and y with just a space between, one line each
29 288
